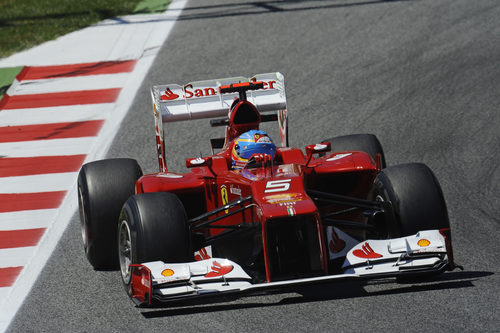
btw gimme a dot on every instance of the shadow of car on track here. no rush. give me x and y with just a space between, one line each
319 293
266 7
244 9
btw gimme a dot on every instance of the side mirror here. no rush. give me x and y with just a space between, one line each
198 161
317 149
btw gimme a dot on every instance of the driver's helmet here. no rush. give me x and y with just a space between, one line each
249 143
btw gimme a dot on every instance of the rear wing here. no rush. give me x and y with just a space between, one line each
202 99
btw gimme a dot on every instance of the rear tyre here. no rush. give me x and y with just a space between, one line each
152 226
416 197
368 143
103 187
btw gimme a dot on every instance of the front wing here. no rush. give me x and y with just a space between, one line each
423 253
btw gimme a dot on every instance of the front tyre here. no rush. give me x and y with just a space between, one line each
416 197
152 227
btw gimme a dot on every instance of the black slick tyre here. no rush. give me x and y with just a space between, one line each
103 188
152 226
416 196
367 143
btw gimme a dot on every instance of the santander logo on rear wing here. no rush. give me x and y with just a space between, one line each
201 99
188 92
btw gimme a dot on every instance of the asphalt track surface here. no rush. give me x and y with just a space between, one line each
422 75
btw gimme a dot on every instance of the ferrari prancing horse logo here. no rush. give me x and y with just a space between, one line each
224 196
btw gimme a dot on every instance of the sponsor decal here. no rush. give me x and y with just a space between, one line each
167 272
202 254
145 281
286 204
366 252
282 118
197 161
169 175
219 270
259 138
338 157
190 92
336 244
160 147
288 170
198 92
423 242
285 198
283 127
277 185
168 95
224 196
235 190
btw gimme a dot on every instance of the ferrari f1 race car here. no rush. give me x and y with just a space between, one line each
253 216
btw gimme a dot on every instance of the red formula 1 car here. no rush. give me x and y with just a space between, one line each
253 216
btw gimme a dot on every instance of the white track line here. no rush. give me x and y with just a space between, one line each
55 147
37 116
38 183
27 219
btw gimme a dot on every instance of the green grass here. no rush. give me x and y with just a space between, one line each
26 23
7 75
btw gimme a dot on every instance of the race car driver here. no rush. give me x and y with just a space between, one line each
250 143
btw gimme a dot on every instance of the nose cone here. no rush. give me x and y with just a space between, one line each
282 196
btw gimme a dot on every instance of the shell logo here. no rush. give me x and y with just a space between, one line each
423 242
167 272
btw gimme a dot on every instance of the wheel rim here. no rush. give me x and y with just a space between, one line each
83 219
383 229
125 250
